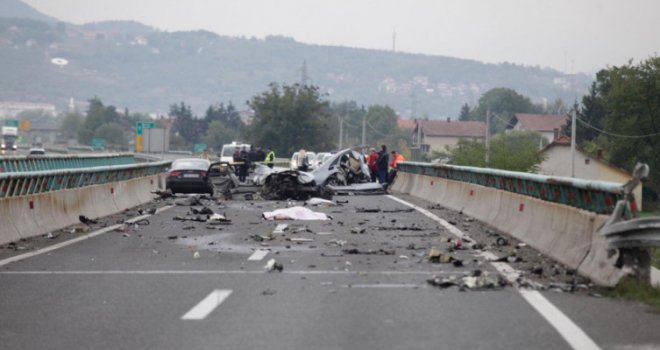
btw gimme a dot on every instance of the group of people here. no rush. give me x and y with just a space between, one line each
383 166
246 158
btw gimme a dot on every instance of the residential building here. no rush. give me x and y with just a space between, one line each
437 135
545 124
587 165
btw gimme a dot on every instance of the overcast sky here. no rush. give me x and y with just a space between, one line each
569 35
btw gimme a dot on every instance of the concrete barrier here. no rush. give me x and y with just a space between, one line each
565 233
33 215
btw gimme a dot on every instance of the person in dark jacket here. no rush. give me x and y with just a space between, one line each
244 158
382 163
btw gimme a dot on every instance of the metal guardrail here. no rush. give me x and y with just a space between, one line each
34 182
13 164
596 196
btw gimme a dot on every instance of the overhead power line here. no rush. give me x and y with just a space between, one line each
615 134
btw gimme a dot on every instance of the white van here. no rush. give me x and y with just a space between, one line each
227 153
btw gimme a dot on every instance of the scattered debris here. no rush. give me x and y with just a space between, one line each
217 219
273 265
315 201
280 228
203 211
300 239
163 194
367 210
478 280
268 292
358 230
87 221
196 255
501 242
172 237
354 251
188 201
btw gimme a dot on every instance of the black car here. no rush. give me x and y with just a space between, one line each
189 175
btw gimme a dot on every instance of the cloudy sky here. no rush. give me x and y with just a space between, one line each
569 35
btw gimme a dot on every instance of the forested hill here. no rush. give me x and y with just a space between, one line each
139 67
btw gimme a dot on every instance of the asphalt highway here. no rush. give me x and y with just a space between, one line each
170 284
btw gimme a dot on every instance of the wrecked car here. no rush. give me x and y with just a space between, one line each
345 171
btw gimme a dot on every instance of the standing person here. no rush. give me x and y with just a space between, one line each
244 158
372 160
270 157
261 155
381 163
236 157
303 163
394 168
252 156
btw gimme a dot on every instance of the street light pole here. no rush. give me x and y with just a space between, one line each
573 132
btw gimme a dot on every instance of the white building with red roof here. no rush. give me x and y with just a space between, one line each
438 135
544 124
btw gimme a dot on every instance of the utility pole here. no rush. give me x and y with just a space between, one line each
364 130
487 137
573 131
341 133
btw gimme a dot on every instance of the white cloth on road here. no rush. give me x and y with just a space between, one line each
294 213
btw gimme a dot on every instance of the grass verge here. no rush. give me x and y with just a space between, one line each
631 289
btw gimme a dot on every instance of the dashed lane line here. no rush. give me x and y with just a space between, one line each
77 239
258 255
568 330
207 305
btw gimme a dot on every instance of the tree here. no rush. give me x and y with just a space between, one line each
626 101
515 151
97 114
464 113
114 135
291 117
218 134
70 124
227 115
503 103
185 124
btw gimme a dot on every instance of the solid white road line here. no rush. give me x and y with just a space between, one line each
577 338
207 305
225 272
383 285
451 228
59 245
258 255
75 240
570 331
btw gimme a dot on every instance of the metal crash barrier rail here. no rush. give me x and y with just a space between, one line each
14 164
595 196
35 182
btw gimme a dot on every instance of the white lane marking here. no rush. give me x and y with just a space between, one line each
451 228
383 285
71 241
570 331
575 336
225 272
207 305
258 255
58 245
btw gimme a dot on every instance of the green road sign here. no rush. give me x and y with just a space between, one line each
139 127
11 122
200 147
98 143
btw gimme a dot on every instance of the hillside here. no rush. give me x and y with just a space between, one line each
139 67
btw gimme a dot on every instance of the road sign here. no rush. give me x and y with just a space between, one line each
200 147
140 126
25 125
139 144
98 143
11 122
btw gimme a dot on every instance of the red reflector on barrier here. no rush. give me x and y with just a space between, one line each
471 192
431 182
112 190
521 207
151 182
31 205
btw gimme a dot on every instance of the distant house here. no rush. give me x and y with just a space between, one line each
587 165
545 124
437 135
405 124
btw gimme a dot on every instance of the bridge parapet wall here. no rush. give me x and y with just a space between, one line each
559 217
35 203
